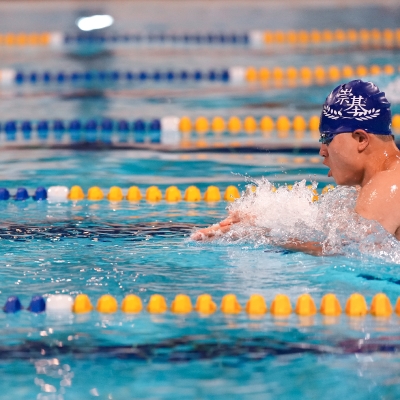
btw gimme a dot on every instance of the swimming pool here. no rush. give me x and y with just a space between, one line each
102 247
118 248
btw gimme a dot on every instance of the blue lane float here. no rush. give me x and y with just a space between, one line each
4 194
12 305
58 129
123 130
10 129
22 194
74 129
37 305
139 129
107 128
40 194
43 130
26 128
155 129
91 131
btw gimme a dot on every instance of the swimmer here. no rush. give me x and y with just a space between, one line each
358 147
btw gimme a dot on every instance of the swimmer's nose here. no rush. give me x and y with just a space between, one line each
323 150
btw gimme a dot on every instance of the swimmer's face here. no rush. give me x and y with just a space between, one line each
342 157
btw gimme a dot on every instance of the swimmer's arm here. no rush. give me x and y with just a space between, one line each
312 248
217 229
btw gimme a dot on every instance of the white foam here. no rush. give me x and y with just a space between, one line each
273 218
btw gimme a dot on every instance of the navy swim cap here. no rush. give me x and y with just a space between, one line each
355 105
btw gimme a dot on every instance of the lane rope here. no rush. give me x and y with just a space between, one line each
280 75
281 306
294 38
134 193
167 130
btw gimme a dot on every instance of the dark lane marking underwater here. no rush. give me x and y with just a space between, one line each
369 277
101 232
192 348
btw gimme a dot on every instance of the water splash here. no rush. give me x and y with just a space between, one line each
272 216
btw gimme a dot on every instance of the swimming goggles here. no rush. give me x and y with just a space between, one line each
326 138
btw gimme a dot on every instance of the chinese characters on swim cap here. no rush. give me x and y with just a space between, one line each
355 105
352 107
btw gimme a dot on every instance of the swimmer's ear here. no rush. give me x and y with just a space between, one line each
362 139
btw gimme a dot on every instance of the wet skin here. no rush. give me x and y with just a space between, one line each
369 162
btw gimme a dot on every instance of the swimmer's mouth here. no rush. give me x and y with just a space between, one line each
330 173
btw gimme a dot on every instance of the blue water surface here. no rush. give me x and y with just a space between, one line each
143 248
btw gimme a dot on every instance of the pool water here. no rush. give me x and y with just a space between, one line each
144 248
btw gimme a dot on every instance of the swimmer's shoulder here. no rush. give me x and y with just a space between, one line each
384 185
379 199
388 177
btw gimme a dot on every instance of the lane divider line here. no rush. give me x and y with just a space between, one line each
281 306
290 75
153 194
169 130
293 38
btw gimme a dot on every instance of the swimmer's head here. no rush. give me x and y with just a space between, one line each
355 105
